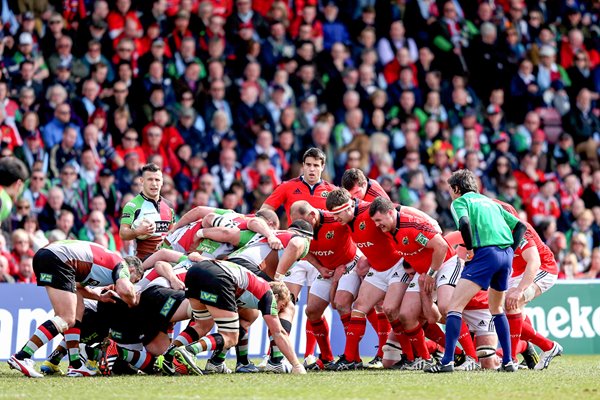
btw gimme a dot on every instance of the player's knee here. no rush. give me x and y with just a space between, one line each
443 309
313 313
230 339
392 313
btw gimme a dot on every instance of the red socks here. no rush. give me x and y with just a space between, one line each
356 331
311 341
320 330
435 333
417 339
530 335
403 340
515 323
466 341
383 331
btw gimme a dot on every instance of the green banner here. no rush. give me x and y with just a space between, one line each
569 313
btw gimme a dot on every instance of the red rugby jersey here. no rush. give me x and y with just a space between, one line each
412 233
374 190
332 242
479 301
296 189
377 246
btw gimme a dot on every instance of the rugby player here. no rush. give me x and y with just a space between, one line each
385 280
534 272
66 269
490 235
362 188
418 239
151 214
337 259
214 289
313 189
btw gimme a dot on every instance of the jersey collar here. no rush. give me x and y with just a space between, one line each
154 202
319 225
313 187
397 228
351 223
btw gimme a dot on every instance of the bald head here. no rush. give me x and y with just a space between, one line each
301 209
270 217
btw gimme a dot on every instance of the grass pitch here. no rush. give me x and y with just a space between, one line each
572 377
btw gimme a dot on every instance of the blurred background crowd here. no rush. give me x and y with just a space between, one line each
225 95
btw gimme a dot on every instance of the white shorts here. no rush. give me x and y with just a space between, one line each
448 274
479 321
383 279
302 273
349 281
543 279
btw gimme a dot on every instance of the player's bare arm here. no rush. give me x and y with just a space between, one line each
193 215
514 296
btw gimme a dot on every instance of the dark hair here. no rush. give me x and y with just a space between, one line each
314 153
463 180
302 227
380 205
11 170
150 167
353 177
336 198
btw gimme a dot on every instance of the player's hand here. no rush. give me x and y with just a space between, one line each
195 257
107 297
298 369
469 255
428 283
146 227
325 273
513 295
338 272
177 284
274 242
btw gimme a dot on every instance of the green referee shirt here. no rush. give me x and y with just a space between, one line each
491 225
6 205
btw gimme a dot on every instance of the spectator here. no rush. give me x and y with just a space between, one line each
544 205
96 227
51 132
5 276
36 235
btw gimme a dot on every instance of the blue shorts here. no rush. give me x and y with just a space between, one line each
491 266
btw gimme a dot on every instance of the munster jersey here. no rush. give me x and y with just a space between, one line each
94 265
332 242
412 233
377 246
479 301
296 189
374 190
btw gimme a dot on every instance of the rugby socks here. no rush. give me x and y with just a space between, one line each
241 349
515 323
356 330
453 327
372 318
276 355
72 336
466 341
383 331
404 341
435 333
188 336
311 340
139 359
58 353
530 335
321 332
417 340
503 331
431 346
43 334
212 342
345 318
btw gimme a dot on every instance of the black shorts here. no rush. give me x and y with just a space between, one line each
156 308
211 285
250 266
124 323
94 327
51 271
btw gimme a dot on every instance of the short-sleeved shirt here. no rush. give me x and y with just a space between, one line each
374 190
296 189
377 246
332 242
157 211
94 265
258 251
412 234
152 278
491 225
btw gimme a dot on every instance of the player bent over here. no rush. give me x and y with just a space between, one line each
214 289
418 239
385 280
65 268
490 235
534 272
337 259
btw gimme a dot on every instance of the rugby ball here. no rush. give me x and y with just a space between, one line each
138 222
224 221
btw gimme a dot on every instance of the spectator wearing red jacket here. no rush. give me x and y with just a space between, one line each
544 205
528 177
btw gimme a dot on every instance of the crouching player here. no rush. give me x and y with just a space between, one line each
214 289
66 268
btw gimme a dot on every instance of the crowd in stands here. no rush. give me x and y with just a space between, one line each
224 95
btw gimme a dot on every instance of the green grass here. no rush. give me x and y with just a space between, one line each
572 377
